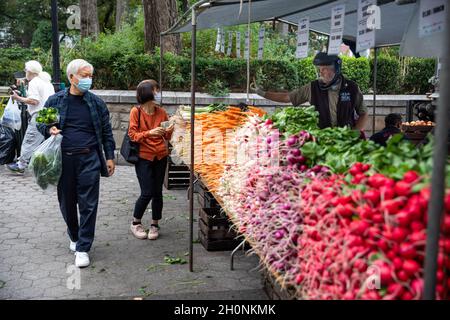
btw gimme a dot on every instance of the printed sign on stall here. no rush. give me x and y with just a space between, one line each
222 42
218 40
337 29
432 17
230 43
262 32
238 44
365 38
302 38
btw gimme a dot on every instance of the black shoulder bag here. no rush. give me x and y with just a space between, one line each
130 149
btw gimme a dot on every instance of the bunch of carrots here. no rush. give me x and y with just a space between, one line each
223 122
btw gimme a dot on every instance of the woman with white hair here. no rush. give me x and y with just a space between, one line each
87 140
39 89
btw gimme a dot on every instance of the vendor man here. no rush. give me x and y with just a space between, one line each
339 101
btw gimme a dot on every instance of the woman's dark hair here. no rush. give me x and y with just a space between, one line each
144 91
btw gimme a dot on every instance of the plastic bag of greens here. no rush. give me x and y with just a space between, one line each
11 116
46 163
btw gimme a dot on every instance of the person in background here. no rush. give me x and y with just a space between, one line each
393 124
338 100
145 128
85 125
39 89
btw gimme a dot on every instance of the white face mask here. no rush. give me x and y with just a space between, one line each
158 98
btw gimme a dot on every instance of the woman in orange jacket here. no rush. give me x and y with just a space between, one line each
145 128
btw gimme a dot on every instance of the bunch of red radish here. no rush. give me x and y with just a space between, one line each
367 242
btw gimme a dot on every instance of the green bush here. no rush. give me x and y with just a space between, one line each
357 70
389 75
13 60
306 72
276 74
419 71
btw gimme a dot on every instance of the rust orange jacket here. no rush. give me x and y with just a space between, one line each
150 147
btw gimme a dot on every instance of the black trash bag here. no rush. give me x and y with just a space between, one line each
7 145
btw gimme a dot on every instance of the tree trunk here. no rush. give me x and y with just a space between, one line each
89 18
121 12
160 16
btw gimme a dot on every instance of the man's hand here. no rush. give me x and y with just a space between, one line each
111 166
54 131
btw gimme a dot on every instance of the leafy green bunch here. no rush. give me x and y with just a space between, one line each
47 116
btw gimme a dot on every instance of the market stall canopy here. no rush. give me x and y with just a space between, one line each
426 47
395 18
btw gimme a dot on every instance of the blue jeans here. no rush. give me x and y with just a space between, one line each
80 184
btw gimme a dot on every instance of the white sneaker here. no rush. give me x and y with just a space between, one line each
73 246
81 259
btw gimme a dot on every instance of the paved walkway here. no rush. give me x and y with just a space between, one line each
35 261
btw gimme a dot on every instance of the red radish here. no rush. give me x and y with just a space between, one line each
410 267
407 251
386 275
398 263
417 226
403 218
359 227
411 176
390 206
378 218
383 245
402 188
387 193
446 246
446 224
299 279
395 289
366 167
399 234
377 180
373 196
402 275
417 236
358 178
440 276
417 286
407 296
447 202
349 296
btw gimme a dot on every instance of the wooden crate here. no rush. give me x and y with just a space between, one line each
177 176
207 200
213 217
217 232
217 245
273 290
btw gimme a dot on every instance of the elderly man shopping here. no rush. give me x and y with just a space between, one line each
87 135
39 89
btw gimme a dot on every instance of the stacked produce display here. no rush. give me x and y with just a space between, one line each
330 215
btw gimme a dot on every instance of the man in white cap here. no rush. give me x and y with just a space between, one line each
39 89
